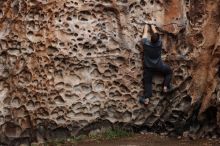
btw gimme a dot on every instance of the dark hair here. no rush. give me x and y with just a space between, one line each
154 37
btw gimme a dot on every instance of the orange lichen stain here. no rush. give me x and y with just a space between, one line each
173 11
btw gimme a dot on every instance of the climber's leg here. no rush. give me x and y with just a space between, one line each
166 70
148 75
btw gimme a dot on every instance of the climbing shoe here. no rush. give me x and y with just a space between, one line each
168 90
143 101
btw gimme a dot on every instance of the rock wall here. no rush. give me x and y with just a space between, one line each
71 66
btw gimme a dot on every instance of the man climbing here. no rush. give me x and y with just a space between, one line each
153 63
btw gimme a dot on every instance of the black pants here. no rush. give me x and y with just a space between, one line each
148 75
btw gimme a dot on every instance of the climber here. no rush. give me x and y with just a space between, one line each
153 63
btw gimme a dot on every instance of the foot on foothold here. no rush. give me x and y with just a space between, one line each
143 101
168 90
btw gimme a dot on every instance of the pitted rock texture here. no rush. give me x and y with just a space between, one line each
68 66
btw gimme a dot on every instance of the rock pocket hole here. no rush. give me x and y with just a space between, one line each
30 33
1 14
151 2
69 19
199 38
52 50
59 99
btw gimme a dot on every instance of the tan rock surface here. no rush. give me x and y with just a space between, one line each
71 66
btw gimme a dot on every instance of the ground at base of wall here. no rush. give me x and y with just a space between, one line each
146 139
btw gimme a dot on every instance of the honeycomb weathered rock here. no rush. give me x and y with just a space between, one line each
66 65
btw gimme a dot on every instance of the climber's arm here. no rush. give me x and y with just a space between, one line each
146 32
146 35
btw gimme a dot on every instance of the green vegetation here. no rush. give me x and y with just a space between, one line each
110 134
106 134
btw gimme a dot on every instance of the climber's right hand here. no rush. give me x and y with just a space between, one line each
153 27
